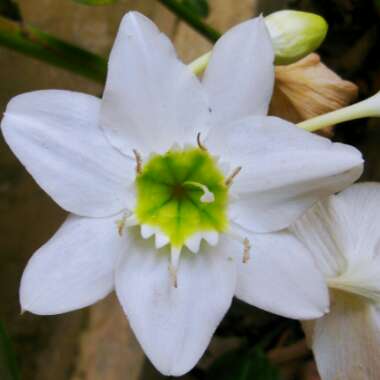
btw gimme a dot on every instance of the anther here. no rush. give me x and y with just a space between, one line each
173 276
122 223
173 266
208 196
138 161
232 176
247 249
199 142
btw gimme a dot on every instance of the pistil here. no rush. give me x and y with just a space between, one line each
207 197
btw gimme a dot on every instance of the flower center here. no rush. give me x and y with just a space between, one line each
181 193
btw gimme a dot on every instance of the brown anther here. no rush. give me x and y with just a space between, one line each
121 225
199 142
138 161
232 176
173 276
247 248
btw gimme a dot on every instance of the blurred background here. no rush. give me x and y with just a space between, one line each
96 343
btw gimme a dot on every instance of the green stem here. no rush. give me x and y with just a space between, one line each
194 21
35 43
8 363
367 108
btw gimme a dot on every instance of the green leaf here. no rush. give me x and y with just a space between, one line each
10 9
198 7
96 2
35 43
243 365
8 364
187 15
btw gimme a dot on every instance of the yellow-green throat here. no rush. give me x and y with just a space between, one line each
181 193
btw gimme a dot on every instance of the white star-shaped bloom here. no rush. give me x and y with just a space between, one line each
176 187
343 235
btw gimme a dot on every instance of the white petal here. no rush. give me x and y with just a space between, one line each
151 99
239 78
346 342
321 230
281 277
175 325
161 240
343 235
284 169
193 243
74 269
212 237
56 135
360 218
147 231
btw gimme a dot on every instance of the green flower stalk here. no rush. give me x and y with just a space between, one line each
367 108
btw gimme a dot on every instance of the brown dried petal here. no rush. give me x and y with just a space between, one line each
308 88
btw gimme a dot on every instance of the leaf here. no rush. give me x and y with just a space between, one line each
8 364
96 2
243 365
198 7
10 9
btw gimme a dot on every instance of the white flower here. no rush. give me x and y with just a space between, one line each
343 235
149 157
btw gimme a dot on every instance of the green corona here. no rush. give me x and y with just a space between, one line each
182 193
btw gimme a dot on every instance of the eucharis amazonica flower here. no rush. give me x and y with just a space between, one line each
343 235
175 187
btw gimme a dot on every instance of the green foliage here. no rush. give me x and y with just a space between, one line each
192 18
198 7
243 365
96 2
10 9
8 365
35 43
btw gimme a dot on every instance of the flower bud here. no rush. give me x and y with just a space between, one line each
295 34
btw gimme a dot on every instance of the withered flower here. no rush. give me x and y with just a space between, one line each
308 88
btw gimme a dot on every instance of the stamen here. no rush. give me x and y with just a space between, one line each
232 176
247 249
246 245
208 196
138 161
173 266
122 223
199 142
